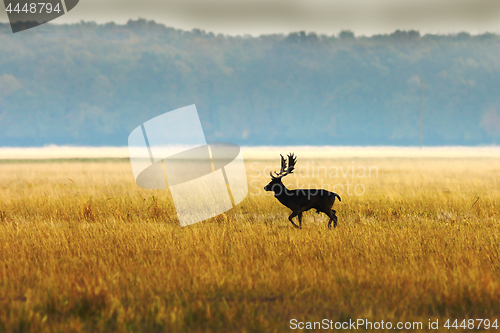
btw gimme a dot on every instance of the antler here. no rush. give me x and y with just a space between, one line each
283 165
291 162
284 170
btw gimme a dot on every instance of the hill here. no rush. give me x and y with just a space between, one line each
91 84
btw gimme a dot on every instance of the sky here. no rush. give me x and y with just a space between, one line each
255 17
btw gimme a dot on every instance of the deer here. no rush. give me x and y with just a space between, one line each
301 200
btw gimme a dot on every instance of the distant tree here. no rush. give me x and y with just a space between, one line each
346 34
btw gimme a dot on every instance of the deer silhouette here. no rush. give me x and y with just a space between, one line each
301 200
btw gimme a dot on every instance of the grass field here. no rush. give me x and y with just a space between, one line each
82 248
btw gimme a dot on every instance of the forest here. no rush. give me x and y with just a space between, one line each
91 84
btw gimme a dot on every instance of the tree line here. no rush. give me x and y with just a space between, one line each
91 84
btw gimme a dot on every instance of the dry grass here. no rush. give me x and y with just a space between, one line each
83 249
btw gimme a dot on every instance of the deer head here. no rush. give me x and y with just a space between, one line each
276 185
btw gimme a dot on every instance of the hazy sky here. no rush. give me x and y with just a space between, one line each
364 17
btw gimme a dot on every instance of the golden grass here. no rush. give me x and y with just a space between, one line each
84 249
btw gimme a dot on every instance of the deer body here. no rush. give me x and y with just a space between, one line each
301 200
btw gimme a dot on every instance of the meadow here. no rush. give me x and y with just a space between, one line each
82 248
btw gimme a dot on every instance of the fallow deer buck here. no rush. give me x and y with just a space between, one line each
301 200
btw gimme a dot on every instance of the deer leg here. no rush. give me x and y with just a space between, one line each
291 217
300 219
333 218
